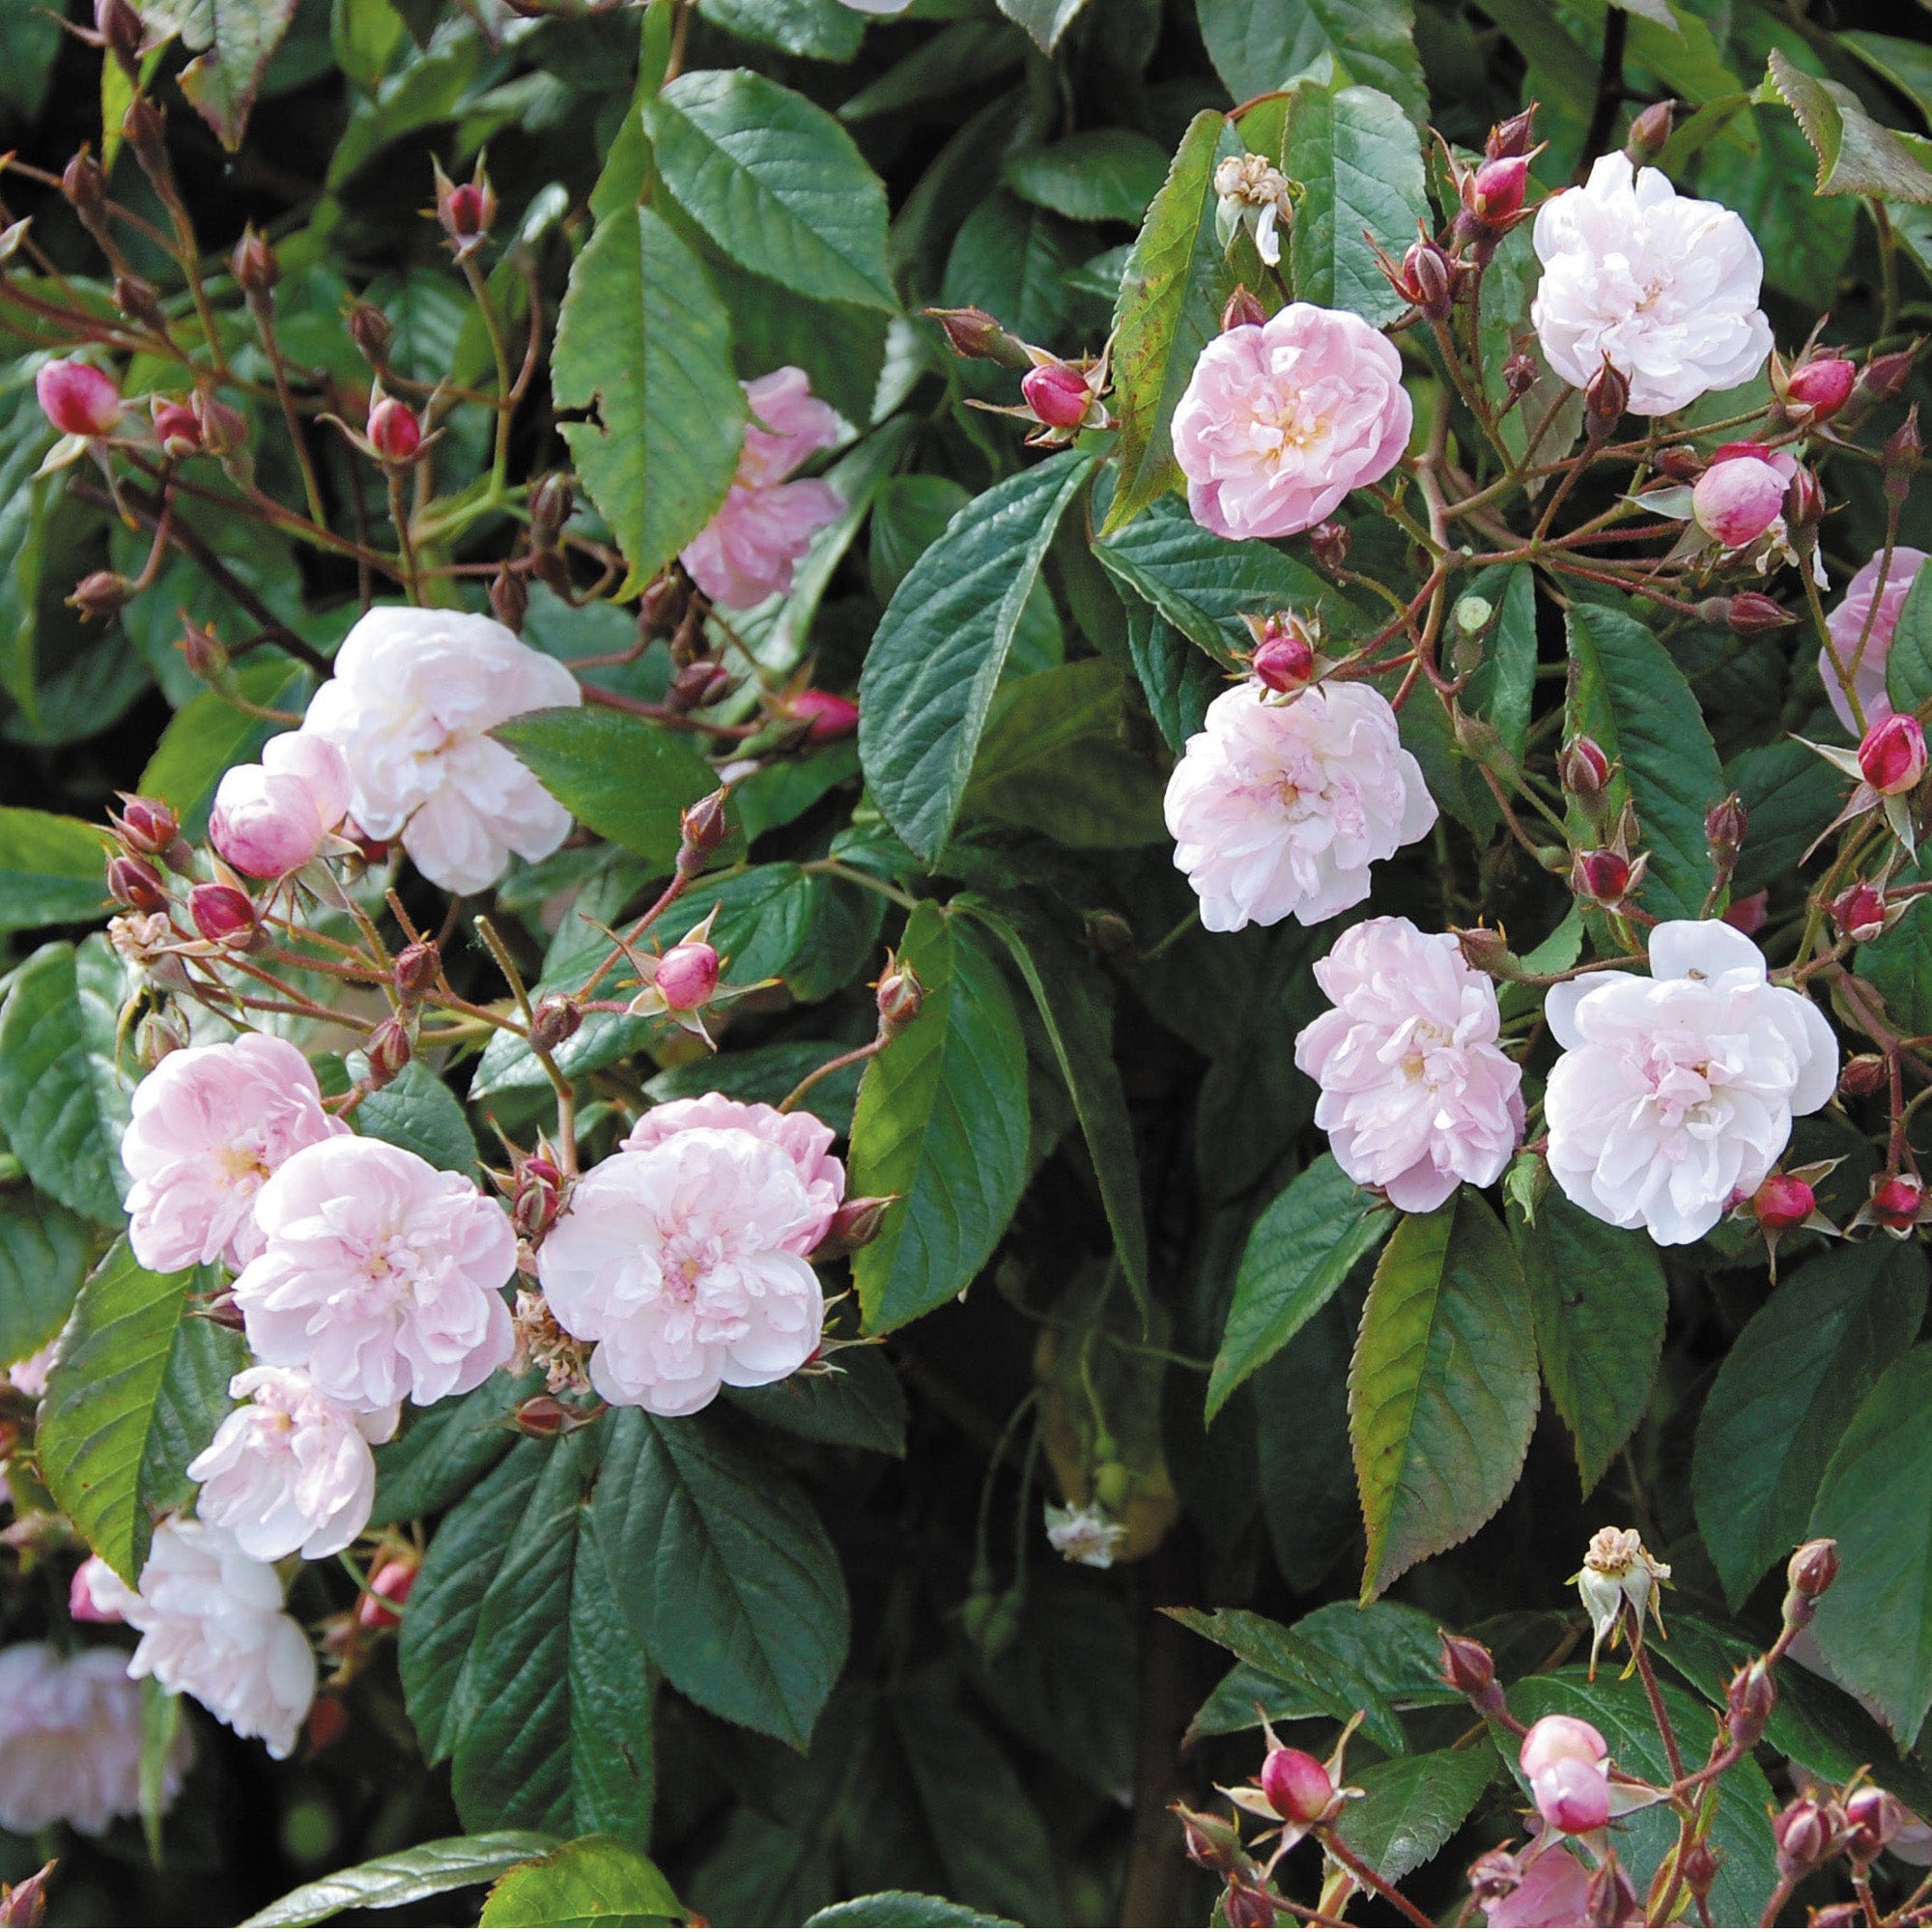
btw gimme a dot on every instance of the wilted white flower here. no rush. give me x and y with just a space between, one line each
1249 189
1618 1571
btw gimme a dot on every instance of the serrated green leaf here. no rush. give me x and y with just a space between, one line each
940 649
729 1579
776 182
1258 45
444 1451
859 1404
1179 680
1107 174
1856 154
642 340
1046 20
1626 693
1358 156
942 1123
401 1878
1443 1390
188 1408
1502 687
1300 1253
1784 1394
416 1111
1898 963
45 1254
1790 795
208 734
591 1881
1907 663
50 869
1010 259
819 29
1411 1806
1600 1302
233 42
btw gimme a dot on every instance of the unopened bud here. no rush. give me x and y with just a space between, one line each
542 1416
100 594
1284 659
1897 1202
666 601
372 332
1487 950
206 655
1211 1841
1242 310
1891 755
1874 1818
1247 1903
177 429
139 301
829 716
135 884
1330 542
1803 503
1468 1668
145 826
85 186
855 1224
1859 913
1427 280
465 209
901 996
1605 401
417 968
390 1049
1899 461
686 975
1806 1832
509 598
1057 394
1750 613
389 1583
1608 1898
1751 1695
701 682
553 1020
1298 1786
1783 1202
1650 132
120 29
1515 136
1700 1869
1602 876
1864 1073
1108 933
1494 192
157 1037
703 829
1820 386
1583 770
223 915
977 335
1520 374
1884 377
1724 828
256 269
1813 1567
393 431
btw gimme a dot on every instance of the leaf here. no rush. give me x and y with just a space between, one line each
1626 693
940 649
1907 663
1617 1706
1288 1658
1790 795
1784 1394
1875 1625
50 869
1299 1254
1170 298
234 41
1108 174
1502 687
1300 1406
61 1105
942 1123
593 1881
208 734
401 1878
903 1907
1443 1390
627 780
776 182
1899 965
1078 1018
1411 1806
1179 681
727 1574
643 339
109 1396
909 516
1258 45
1856 154
857 1403
416 1111
1600 1302
45 1252
1358 156
1012 259
819 29
443 1450
188 1408
1044 19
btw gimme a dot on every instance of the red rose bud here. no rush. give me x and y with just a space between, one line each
1875 1818
145 826
703 829
1751 1698
1859 912
1330 542
371 331
120 29
1211 1841
977 336
1514 136
177 429
223 915
1803 503
701 682
1284 660
465 209
1427 280
855 1225
1864 1075
255 266
1898 462
1750 613
393 431
1897 1201
84 184
1242 310
135 884
139 301
1806 1834
542 1416
1820 386
1298 1786
77 398
1649 132
415 971
1724 828
1813 1567
537 1193
1468 1666
553 1022
1783 1203
1605 401
663 604
1892 754
389 1049
1246 1904
901 996
393 1579
1583 768
827 715
1494 192
1057 394
1604 876
686 975
1884 376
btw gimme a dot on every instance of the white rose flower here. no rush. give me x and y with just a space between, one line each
411 706
290 1470
71 1740
1675 1095
213 1626
1664 286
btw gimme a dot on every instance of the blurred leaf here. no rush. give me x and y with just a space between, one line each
1908 661
50 869
903 1907
1044 19
643 339
1258 45
1107 174
1906 64
983 48
1855 155
819 29
1502 687
1806 240
940 649
1785 1393
942 1123
1010 259
401 1878
1411 1806
233 41
1443 1391
594 1881
1301 1444
1899 964
1789 794
909 516
45 1255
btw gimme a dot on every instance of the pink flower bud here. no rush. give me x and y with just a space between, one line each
1513 137
1783 1202
177 429
1875 1817
1602 876
1284 660
686 975
1813 1567
1605 400
901 996
1552 1739
1427 280
973 333
1496 190
145 826
1298 1786
1649 132
1892 756
703 825
1738 498
1584 768
392 1578
273 819
82 1605
556 1017
1750 613
135 883
1897 1201
1057 394
828 716
1242 310
390 1049
1806 1832
1822 385
223 915
77 398
1572 1795
1858 911
393 431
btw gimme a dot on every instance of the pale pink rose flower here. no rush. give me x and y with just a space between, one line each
749 551
682 1263
77 398
71 1741
379 1276
1661 285
804 1139
411 704
213 1627
1416 1095
1280 806
29 1374
1847 625
290 1472
1674 1095
1283 418
210 1125
1553 1891
1741 496
274 818
96 1595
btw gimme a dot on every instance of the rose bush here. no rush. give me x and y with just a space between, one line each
964 962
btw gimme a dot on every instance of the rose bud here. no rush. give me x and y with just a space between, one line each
371 332
1210 1841
1057 394
509 598
827 715
1750 615
901 996
82 1605
703 827
393 431
1246 1904
1552 1739
84 184
1875 1818
1892 754
1572 1795
1242 310
1899 461
855 1225
1898 1199
1427 280
223 915
145 826
1751 1694
140 301
977 336
1330 542
1738 498
1859 912
1783 1203
1813 1567
1820 386
391 1579
1284 660
1649 132
686 975
1298 1786
1520 374
1803 502
553 1022
135 884
77 398
541 1416
701 682
389 1050
177 429
1608 1898
465 209
1749 913
100 594
255 267
417 968
1724 827
1806 1834
1605 401
1884 376
1494 192
1864 1073
1514 136
1604 876
1583 768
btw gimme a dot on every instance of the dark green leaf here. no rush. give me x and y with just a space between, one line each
416 1111
1411 1806
208 734
1502 687
1908 663
857 1404
188 1408
1180 680
909 516
401 1878
45 1252
1789 794
1010 259
819 29
1301 1405
591 1881
443 1452
1044 19
1108 174
1258 45
50 869
903 1907
1856 154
